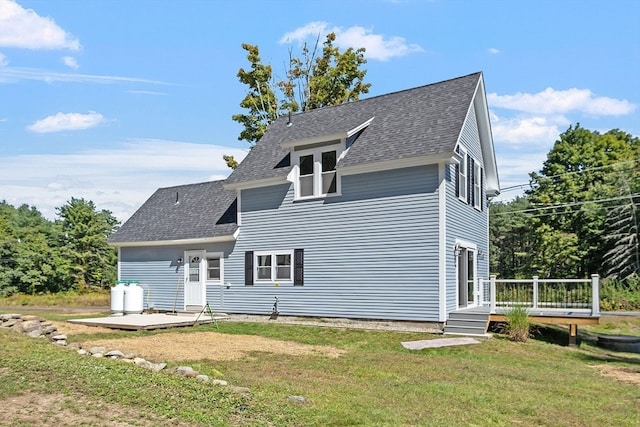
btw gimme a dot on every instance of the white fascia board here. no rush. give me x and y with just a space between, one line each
360 127
204 240
486 139
324 138
266 182
313 140
397 164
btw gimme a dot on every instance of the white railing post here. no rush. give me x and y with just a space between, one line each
492 294
595 295
535 292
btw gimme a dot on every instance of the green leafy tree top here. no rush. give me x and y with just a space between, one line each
312 81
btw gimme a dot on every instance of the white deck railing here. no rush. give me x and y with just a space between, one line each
576 295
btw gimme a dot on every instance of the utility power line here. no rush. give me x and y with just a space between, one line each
570 204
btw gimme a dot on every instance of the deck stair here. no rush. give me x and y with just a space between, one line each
469 322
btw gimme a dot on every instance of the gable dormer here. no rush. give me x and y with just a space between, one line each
315 161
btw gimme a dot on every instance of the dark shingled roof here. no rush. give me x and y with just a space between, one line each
204 210
426 120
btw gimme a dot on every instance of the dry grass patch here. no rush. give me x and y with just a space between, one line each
620 373
55 409
177 347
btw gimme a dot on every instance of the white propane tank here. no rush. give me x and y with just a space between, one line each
117 299
133 298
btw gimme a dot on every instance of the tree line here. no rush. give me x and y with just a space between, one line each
579 215
69 253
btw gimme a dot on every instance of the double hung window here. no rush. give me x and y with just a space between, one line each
274 266
317 176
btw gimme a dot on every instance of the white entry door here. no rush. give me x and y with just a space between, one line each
194 279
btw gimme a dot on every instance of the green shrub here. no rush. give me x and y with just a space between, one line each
517 323
620 295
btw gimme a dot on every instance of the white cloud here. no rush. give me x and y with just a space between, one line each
514 169
526 130
377 45
4 61
551 101
9 74
67 121
24 28
70 62
119 179
493 51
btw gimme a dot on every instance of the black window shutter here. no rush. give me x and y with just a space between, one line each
248 268
470 180
298 267
456 180
482 198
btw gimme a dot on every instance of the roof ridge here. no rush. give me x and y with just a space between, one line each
383 95
193 184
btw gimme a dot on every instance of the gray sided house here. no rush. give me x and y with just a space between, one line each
373 209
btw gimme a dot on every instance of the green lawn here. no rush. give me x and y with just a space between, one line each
375 383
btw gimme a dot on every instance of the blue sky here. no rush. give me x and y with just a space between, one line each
109 100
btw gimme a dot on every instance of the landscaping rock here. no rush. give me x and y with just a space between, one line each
10 322
35 333
115 354
157 367
97 350
35 326
139 361
30 325
183 370
48 330
298 399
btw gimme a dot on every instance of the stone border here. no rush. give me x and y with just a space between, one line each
37 327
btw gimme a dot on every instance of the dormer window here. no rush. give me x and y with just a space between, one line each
317 176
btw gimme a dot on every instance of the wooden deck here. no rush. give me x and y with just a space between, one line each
572 318
145 322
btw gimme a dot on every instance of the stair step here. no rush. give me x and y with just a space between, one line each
463 330
455 315
474 323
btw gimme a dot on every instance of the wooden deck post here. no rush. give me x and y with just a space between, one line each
573 335
535 293
595 295
492 297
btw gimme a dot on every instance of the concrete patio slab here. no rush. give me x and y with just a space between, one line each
139 322
440 342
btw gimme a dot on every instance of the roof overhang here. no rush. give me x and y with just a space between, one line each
486 139
399 163
323 138
177 242
243 185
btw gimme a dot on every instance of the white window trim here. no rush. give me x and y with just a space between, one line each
477 185
317 171
274 266
219 255
462 178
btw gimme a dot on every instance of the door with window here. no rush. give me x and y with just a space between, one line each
466 277
194 279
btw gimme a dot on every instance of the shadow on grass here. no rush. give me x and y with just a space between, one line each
545 333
